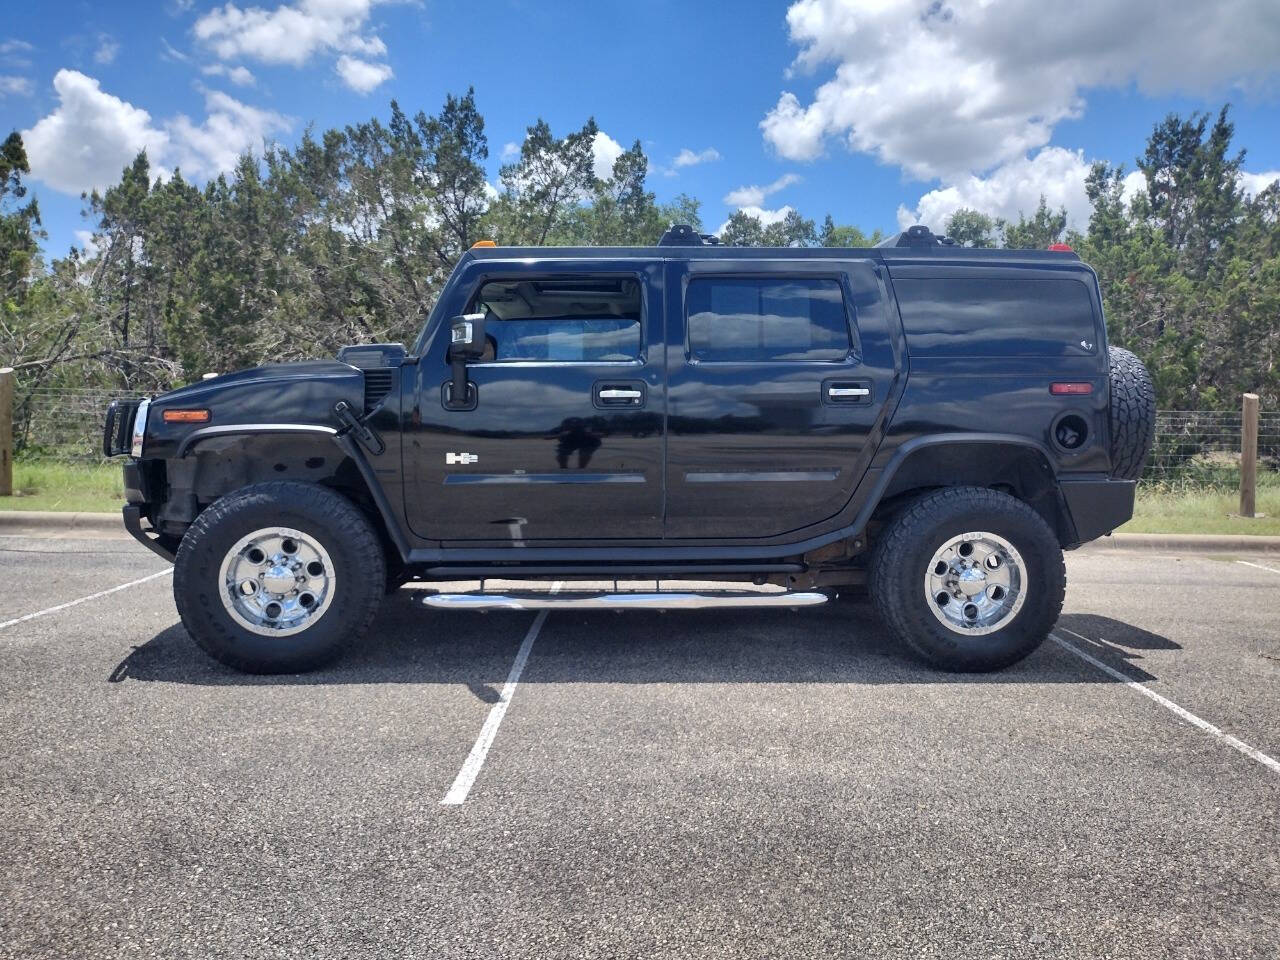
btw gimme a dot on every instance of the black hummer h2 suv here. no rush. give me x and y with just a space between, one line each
931 424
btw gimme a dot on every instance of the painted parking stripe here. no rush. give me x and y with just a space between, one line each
92 596
475 759
1258 566
1252 752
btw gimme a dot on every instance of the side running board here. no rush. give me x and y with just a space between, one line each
620 601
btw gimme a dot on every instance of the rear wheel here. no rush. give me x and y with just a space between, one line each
278 577
968 578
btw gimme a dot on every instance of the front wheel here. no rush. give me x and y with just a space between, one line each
968 578
279 577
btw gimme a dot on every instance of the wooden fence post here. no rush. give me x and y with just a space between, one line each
1249 455
6 431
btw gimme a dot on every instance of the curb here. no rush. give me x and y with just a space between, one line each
52 523
1188 542
55 522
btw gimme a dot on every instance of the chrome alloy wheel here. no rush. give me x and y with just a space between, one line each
277 581
976 583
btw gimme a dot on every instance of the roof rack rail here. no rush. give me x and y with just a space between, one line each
683 235
917 236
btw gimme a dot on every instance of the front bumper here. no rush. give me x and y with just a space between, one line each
1098 506
149 539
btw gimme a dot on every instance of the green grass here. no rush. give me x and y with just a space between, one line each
1191 509
50 485
75 487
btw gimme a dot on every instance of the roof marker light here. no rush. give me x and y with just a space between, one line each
483 243
1060 248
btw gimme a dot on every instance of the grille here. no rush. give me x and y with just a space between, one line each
377 384
117 433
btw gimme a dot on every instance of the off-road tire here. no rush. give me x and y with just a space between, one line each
317 511
902 555
1133 415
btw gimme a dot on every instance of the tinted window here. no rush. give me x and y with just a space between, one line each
752 318
586 320
996 318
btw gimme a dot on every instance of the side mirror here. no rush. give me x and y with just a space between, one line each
466 342
466 337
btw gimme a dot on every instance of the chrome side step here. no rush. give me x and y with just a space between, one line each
620 601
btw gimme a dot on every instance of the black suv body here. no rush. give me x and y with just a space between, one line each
686 410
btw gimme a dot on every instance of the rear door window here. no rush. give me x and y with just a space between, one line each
745 319
997 318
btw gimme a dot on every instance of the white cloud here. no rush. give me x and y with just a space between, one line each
754 196
230 129
1012 189
107 49
361 75
291 33
605 151
766 217
944 88
86 242
691 158
92 135
1254 183
15 86
240 76
1015 188
169 52
510 150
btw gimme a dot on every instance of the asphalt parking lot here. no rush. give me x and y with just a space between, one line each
719 783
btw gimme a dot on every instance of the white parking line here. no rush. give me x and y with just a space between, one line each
1258 566
92 596
1252 752
475 759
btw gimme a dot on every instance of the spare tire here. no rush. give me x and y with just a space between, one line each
1133 414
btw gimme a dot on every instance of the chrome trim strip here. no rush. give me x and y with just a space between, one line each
763 476
139 429
621 601
490 478
205 433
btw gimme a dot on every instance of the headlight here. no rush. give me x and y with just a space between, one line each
140 428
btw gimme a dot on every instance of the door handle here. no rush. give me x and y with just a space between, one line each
618 393
847 391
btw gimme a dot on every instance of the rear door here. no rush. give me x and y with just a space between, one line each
779 375
565 439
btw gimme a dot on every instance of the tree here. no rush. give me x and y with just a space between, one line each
1045 227
832 235
970 228
20 232
541 189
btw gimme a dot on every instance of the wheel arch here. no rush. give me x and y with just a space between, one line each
213 463
1017 465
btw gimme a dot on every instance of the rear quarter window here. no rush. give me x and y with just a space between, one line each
997 318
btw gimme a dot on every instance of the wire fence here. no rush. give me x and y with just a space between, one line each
1195 447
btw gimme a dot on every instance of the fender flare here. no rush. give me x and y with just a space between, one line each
196 437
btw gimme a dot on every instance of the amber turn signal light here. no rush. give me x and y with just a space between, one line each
186 416
1071 389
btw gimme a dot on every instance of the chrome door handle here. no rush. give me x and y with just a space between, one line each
619 394
848 392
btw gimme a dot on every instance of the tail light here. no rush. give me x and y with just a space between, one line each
1071 389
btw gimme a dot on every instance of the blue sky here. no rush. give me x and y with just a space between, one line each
877 111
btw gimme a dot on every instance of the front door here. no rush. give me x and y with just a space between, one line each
780 372
565 437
